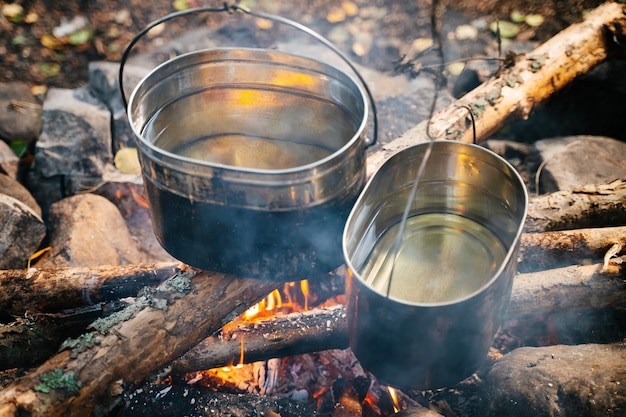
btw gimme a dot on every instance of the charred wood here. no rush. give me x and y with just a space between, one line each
518 88
46 291
166 400
534 297
89 377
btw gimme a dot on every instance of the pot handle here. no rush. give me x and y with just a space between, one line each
231 8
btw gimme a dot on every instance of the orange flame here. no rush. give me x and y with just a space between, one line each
285 300
304 286
394 398
140 198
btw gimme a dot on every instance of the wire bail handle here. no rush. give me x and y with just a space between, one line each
236 8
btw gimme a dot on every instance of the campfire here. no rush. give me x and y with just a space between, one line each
143 334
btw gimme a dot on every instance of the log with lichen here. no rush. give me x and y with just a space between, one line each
88 376
53 290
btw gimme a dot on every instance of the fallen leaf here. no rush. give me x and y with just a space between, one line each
80 37
350 8
534 20
456 68
38 90
465 32
127 161
507 29
37 255
19 40
31 18
336 15
360 48
421 44
13 12
51 42
517 16
180 5
264 24
19 147
49 69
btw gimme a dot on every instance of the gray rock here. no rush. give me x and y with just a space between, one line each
88 230
11 187
76 135
74 148
104 82
21 233
9 162
20 112
574 161
582 380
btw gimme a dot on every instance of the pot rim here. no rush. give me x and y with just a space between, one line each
170 157
505 261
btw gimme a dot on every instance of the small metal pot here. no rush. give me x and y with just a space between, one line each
252 160
431 324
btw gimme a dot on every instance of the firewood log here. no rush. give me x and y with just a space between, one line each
518 88
548 250
88 378
534 296
539 294
37 290
288 335
33 338
588 206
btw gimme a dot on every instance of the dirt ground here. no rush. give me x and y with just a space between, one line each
44 44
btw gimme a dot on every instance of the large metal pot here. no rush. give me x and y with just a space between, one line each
423 313
252 160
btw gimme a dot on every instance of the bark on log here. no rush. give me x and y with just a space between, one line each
539 251
88 378
535 296
517 89
539 294
37 290
32 339
589 206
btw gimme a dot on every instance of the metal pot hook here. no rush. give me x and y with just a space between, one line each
230 9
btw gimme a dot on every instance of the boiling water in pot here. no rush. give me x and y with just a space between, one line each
252 152
258 129
442 257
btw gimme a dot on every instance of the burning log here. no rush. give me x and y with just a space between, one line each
535 296
292 334
37 290
89 376
567 247
588 206
531 79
